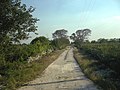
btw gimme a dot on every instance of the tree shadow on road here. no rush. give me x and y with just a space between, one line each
53 82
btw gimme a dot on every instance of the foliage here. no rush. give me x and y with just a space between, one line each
17 73
80 35
107 55
16 21
14 65
60 34
41 39
103 40
97 72
60 43
14 58
43 42
60 39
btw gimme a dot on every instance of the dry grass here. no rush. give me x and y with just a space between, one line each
91 70
29 71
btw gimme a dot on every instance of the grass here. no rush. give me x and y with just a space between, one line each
23 73
94 71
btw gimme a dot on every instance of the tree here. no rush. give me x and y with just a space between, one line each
87 41
60 43
114 40
60 34
82 35
102 40
60 39
40 39
93 41
41 44
16 21
73 37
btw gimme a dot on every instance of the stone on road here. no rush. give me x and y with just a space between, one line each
63 74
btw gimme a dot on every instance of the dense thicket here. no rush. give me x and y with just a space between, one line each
16 57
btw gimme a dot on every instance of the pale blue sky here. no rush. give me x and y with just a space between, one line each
101 16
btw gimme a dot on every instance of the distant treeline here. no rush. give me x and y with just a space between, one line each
103 40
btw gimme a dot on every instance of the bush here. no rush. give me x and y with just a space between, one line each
101 75
60 43
108 62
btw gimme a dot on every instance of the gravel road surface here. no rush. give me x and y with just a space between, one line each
63 74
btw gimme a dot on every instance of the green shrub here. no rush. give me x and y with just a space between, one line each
10 84
106 65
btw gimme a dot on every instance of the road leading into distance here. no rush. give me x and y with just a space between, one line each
63 74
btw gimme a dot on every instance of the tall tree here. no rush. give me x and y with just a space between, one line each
80 35
83 34
16 21
60 39
60 34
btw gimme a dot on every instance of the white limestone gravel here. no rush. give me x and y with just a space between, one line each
63 74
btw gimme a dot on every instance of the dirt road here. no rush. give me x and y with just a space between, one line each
62 74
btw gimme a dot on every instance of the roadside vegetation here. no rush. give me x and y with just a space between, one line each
100 61
20 63
16 67
19 73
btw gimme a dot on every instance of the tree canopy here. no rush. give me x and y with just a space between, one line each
40 39
60 39
16 21
62 33
80 35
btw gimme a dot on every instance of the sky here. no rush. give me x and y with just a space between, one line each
102 17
